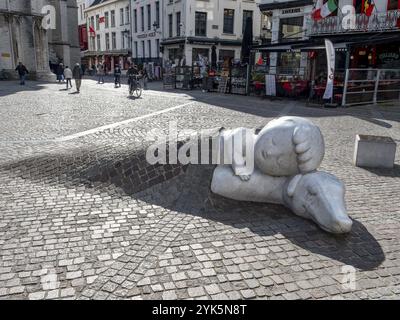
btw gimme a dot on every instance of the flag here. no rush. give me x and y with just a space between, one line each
92 32
102 19
323 10
330 56
367 7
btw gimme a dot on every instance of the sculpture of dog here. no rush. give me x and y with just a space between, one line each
318 195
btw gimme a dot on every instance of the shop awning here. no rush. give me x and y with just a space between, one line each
284 4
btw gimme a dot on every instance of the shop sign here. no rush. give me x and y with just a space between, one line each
389 56
291 10
146 35
5 55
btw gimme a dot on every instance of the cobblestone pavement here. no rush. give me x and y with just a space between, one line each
84 217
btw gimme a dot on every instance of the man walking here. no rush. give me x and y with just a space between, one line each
77 73
100 73
22 72
117 76
68 76
60 73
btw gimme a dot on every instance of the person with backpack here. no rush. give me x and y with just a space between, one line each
68 76
22 72
77 74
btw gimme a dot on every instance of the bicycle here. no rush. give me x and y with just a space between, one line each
135 88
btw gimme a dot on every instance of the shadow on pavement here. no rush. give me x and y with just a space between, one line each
358 248
393 173
11 87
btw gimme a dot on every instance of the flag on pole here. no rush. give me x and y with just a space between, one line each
92 32
330 56
368 7
323 10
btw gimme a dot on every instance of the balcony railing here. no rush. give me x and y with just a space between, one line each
384 21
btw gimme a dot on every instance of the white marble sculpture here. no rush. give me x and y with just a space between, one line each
287 153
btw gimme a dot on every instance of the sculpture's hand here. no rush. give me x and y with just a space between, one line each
245 177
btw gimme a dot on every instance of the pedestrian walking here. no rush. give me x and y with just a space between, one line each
60 73
68 76
83 69
145 77
22 72
117 76
100 73
77 74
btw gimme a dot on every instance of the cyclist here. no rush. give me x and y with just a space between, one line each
132 74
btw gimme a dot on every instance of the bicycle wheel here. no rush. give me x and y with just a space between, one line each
138 91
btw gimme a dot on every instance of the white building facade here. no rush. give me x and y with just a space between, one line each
109 38
147 30
192 27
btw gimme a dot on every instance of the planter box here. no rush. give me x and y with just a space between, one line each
374 151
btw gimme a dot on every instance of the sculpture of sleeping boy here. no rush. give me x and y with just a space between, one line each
284 147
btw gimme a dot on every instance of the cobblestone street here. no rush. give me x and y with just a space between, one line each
82 216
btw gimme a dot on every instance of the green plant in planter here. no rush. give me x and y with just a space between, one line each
258 77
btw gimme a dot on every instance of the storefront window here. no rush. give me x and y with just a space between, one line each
175 54
291 28
200 55
226 56
289 62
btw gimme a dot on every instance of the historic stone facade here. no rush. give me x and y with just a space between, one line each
23 38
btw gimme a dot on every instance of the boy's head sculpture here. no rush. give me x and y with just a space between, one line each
288 146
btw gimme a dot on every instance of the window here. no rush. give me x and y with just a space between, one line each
158 48
92 22
149 45
148 17
135 44
201 24
106 20
170 24
123 40
114 40
289 62
229 17
143 49
107 41
197 53
393 5
121 16
290 28
97 22
98 43
112 18
127 16
178 24
135 18
246 14
158 14
142 17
